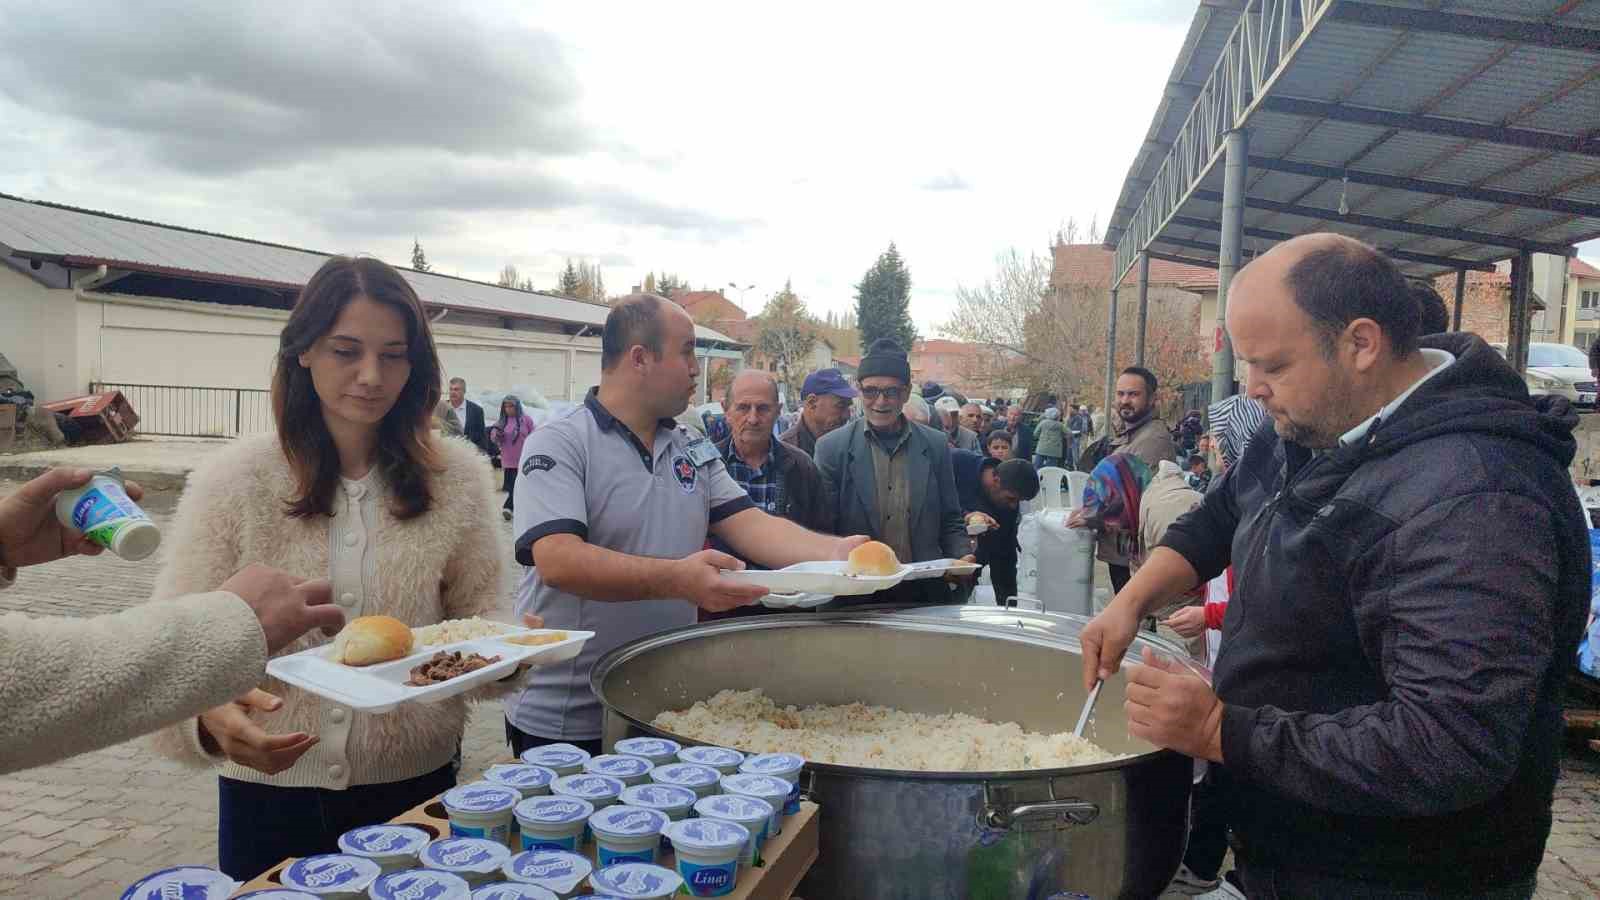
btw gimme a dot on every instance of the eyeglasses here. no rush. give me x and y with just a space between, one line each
892 394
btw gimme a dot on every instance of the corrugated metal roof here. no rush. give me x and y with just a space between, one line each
38 230
1394 68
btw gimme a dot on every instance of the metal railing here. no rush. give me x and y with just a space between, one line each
183 411
1259 48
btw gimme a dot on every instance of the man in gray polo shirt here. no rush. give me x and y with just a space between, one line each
616 526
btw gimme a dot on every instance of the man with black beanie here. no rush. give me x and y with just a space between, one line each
991 493
892 478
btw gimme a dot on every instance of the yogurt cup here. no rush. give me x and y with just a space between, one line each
709 854
659 751
703 780
277 894
627 834
779 765
670 799
336 875
106 515
393 847
198 882
563 759
600 790
753 814
529 781
477 860
481 810
553 823
630 770
510 890
636 881
420 884
762 787
557 871
722 759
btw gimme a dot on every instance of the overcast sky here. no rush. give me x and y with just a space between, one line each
724 142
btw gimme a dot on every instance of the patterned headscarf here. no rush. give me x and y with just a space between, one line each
1234 421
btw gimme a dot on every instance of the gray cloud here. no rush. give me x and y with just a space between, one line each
949 181
268 83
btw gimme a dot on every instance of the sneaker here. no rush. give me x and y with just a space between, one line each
505 514
1188 884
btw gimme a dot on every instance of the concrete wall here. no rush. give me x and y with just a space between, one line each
38 333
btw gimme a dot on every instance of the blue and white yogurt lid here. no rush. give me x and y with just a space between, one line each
421 884
520 775
589 787
383 841
648 747
762 786
555 756
659 796
734 807
554 810
331 873
775 764
715 757
628 821
480 797
199 882
618 765
557 870
463 854
509 890
707 835
685 775
277 894
637 880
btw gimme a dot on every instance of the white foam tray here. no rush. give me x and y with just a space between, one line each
382 687
818 578
936 568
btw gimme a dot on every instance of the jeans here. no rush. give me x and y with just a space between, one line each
1040 461
509 486
1119 578
260 825
522 741
1288 884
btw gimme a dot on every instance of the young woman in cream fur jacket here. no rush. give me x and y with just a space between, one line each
356 488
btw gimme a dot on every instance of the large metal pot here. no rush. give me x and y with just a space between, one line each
1113 829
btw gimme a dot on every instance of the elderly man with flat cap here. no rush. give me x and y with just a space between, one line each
1412 575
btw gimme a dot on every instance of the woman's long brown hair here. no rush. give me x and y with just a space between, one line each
406 454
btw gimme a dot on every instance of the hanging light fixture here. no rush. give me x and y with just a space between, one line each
1344 196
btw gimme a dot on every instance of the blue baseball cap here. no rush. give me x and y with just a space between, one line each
827 381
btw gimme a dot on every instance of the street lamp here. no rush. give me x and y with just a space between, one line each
741 291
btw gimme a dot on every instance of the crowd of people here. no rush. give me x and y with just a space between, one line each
1389 635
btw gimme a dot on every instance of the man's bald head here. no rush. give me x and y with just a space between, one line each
1332 280
747 381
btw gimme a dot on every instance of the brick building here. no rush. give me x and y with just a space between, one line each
1486 306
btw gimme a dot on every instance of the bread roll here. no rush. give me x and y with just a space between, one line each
872 558
372 639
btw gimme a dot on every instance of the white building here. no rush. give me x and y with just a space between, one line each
186 322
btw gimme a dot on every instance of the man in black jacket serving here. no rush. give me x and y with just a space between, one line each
1411 570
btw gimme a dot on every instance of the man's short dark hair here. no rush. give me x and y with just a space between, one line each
634 320
1345 280
1435 319
999 434
1018 475
1148 376
1194 460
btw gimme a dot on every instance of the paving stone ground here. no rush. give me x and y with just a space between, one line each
87 827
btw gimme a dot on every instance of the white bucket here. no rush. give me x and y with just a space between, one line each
624 834
755 815
553 823
709 852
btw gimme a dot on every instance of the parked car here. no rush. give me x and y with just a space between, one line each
1559 369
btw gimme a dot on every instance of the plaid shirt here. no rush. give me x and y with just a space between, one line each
764 485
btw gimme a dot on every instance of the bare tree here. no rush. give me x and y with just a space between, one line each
509 277
786 334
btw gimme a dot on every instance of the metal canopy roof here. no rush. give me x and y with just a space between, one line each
1456 132
86 238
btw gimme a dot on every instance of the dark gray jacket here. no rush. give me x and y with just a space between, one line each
937 530
1406 612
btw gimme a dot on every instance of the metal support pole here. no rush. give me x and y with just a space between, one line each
1237 144
1517 333
1111 361
1144 307
1461 295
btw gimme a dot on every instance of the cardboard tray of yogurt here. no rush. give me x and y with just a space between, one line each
935 568
382 687
828 577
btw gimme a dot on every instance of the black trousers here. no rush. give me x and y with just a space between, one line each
509 485
1119 578
521 741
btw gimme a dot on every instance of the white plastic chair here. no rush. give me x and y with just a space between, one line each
1050 479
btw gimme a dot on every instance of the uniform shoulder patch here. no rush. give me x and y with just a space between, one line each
538 462
685 472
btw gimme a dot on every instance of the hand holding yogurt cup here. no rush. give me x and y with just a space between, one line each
30 531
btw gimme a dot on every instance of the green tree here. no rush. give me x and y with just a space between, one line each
883 301
786 335
569 281
419 260
666 283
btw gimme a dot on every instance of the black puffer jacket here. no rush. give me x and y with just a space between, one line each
1406 610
